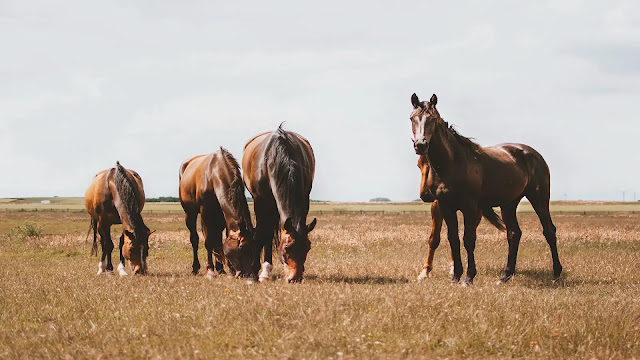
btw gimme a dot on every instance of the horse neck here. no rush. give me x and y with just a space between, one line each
442 150
129 222
237 216
292 205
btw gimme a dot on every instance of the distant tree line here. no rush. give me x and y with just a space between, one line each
380 199
163 199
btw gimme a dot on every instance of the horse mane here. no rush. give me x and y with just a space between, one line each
128 193
466 142
284 170
236 189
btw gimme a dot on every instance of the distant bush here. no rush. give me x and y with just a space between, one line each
380 199
163 199
29 229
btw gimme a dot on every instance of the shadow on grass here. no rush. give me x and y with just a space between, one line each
535 278
366 279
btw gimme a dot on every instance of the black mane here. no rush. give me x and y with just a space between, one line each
236 189
463 140
128 193
286 172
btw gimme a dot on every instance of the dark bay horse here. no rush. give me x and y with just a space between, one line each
467 177
278 169
211 185
116 196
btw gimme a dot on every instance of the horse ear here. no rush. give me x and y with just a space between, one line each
434 100
288 225
415 101
312 225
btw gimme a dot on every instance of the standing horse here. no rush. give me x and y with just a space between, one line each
278 171
116 196
212 186
467 177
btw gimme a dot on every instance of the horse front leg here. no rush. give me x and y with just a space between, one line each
451 218
434 240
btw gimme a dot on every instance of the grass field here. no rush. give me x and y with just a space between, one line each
76 204
360 298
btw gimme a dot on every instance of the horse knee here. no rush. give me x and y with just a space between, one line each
549 233
434 241
514 234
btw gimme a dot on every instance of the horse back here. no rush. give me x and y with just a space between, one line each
257 160
509 169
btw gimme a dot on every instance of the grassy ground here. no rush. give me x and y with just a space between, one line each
359 300
72 204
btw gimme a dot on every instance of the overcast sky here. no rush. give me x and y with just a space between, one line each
151 83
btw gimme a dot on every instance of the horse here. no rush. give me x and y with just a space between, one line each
278 169
467 177
436 220
211 185
116 196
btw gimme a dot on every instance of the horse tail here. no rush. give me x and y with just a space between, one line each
493 218
94 226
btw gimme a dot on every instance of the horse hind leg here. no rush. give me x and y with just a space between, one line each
540 203
513 238
105 266
191 219
434 242
121 265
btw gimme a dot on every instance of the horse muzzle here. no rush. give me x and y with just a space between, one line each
421 147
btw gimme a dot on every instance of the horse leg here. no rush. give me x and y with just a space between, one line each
540 204
472 219
121 267
265 229
513 238
434 241
191 220
212 227
451 218
105 264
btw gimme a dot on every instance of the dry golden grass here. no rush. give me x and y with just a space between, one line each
360 298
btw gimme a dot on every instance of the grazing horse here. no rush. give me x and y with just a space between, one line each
212 186
467 177
436 218
116 196
278 171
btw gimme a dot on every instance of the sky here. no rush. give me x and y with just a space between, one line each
152 83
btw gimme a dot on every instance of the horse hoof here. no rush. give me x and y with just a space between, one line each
264 279
121 270
455 280
467 282
423 275
210 274
504 279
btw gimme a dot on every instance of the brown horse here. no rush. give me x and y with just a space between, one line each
467 177
116 196
436 218
212 186
278 171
